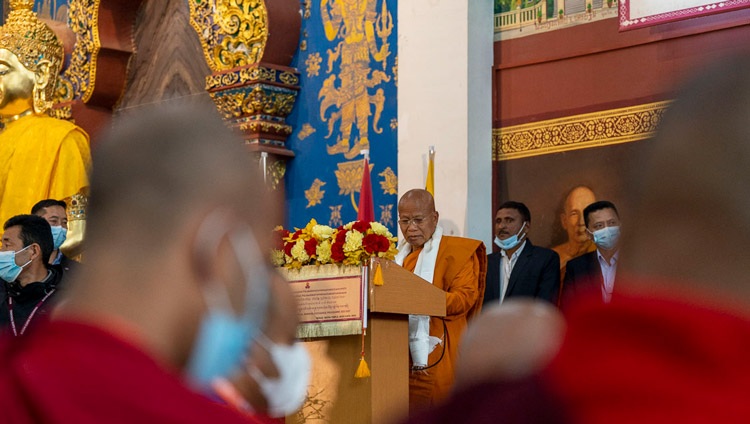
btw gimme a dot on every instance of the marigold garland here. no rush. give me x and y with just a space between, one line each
315 244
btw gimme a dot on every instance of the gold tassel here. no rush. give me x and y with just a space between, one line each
377 279
363 370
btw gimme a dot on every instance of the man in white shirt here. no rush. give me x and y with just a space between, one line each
520 269
596 271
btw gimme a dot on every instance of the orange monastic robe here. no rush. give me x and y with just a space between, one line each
460 271
41 158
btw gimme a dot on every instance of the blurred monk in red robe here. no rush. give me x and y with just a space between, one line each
174 292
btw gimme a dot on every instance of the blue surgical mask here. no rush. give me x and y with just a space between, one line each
224 337
607 237
9 269
511 241
58 236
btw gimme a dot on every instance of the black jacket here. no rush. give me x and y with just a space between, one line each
536 274
26 298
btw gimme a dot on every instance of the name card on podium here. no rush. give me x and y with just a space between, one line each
329 299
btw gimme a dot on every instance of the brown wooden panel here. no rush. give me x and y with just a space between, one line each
168 62
403 292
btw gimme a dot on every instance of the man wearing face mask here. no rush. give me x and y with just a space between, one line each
29 284
519 269
596 271
166 304
277 372
54 211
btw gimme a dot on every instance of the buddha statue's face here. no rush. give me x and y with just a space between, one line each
16 85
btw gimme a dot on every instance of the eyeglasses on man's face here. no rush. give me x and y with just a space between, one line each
418 221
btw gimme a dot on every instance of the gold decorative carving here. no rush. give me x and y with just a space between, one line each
245 75
390 181
79 79
289 78
261 99
306 131
577 132
233 33
314 194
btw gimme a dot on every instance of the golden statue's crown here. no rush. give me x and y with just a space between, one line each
31 39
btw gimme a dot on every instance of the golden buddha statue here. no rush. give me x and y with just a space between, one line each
42 157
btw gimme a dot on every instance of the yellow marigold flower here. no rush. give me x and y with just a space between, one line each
277 257
353 241
322 232
380 229
299 253
323 251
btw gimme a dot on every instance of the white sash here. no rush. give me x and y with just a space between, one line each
420 341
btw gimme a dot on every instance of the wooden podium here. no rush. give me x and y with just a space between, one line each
384 396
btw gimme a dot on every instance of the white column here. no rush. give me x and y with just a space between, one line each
445 99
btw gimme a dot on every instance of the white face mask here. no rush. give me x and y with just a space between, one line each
285 394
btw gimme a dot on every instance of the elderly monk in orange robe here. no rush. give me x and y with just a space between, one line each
457 266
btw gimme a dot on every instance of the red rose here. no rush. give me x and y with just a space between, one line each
296 234
361 226
288 248
341 236
310 246
337 252
375 243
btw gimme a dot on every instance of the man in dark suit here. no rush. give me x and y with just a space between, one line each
520 269
595 271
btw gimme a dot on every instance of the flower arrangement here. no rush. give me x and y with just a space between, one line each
350 244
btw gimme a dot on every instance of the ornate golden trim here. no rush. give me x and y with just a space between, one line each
232 33
81 72
595 129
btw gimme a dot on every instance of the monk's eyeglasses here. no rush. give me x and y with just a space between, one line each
418 221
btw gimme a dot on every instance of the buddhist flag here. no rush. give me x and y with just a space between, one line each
366 210
430 184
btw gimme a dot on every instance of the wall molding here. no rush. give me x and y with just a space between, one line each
594 129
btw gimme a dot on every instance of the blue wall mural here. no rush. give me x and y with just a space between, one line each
349 75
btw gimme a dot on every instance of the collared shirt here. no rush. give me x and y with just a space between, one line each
506 268
609 269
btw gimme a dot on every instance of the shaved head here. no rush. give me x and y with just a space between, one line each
419 196
417 216
154 167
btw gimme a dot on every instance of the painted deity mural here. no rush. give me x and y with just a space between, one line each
347 105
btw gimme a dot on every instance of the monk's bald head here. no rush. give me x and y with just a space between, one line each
417 216
156 168
419 196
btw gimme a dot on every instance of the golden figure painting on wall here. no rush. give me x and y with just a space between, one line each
357 25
